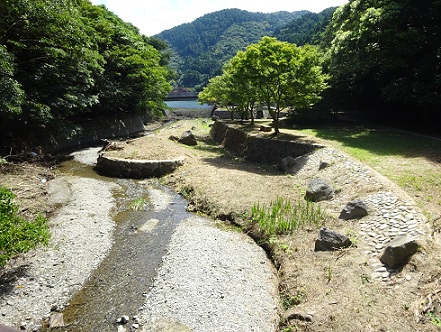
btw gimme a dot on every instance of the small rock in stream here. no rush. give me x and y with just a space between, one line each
123 320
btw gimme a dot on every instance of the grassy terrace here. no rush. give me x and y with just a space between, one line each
411 161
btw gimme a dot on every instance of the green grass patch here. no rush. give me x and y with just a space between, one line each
283 216
18 235
289 301
434 319
367 142
137 204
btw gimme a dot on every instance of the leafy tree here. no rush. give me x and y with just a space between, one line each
135 77
219 93
272 72
385 56
56 61
202 47
307 29
12 95
63 59
286 75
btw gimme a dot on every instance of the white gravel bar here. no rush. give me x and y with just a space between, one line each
212 280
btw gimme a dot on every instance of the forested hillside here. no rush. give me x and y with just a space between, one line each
202 47
64 59
382 58
307 29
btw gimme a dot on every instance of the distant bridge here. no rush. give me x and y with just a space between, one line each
181 96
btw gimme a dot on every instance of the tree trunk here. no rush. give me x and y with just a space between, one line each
276 121
252 116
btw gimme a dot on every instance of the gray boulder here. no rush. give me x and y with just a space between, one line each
188 138
398 251
324 164
329 240
356 209
286 164
318 190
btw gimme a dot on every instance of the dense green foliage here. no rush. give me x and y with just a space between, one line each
202 47
385 58
273 73
18 235
66 58
307 29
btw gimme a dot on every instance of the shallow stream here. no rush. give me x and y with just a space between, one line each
146 214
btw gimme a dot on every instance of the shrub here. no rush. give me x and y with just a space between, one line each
284 216
18 235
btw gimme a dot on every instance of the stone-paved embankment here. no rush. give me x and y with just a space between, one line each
392 213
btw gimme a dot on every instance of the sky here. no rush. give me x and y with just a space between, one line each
153 16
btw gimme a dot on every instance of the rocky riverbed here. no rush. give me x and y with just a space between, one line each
209 278
45 279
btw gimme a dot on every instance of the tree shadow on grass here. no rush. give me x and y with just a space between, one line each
240 164
257 168
383 142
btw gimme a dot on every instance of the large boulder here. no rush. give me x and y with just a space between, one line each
356 209
398 251
188 138
331 240
287 165
318 190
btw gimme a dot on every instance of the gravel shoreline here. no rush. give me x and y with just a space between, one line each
46 278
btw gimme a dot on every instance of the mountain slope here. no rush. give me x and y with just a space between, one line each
307 29
199 49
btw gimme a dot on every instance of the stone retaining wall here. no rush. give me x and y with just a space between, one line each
135 169
257 149
87 133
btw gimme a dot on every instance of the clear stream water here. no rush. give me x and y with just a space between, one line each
141 237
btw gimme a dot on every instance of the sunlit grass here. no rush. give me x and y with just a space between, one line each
283 216
18 235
